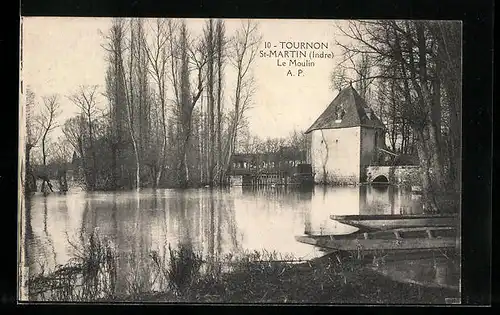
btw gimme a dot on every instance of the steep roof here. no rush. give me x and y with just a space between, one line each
354 109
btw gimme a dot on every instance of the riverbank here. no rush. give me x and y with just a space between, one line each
325 280
64 231
256 277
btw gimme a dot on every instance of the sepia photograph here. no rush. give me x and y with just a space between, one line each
240 161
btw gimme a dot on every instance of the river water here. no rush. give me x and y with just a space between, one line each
214 222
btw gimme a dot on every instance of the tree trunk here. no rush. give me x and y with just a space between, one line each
184 167
436 159
29 177
429 104
429 203
201 144
211 101
220 40
435 137
164 145
94 162
137 163
114 172
44 154
454 118
158 177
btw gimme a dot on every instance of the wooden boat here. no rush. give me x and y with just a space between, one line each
420 238
391 221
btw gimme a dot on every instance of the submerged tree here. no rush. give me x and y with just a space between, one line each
158 57
136 91
32 136
215 44
192 58
116 96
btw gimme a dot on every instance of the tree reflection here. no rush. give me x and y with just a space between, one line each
49 239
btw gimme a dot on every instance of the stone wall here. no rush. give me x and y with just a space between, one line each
399 175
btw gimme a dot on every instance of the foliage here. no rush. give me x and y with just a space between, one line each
182 269
90 274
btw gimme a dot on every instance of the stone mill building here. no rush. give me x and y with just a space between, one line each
344 140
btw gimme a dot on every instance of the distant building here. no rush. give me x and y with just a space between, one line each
345 139
283 160
265 168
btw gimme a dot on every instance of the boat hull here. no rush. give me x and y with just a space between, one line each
380 244
387 222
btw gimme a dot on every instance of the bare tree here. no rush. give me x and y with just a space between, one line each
405 53
242 52
192 57
215 45
33 134
158 57
363 70
72 132
60 156
448 58
339 78
47 120
48 123
134 78
86 100
116 95
130 105
210 51
220 44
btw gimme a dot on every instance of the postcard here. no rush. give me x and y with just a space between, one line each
240 161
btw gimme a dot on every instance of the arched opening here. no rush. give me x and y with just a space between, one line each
381 179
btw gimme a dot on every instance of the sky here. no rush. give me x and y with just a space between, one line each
62 53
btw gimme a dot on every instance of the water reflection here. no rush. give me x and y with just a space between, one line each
432 272
364 200
213 222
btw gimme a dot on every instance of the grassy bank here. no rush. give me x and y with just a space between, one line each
255 277
324 280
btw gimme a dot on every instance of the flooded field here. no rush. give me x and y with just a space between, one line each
215 223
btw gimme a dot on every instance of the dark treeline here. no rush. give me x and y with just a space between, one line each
169 114
411 71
